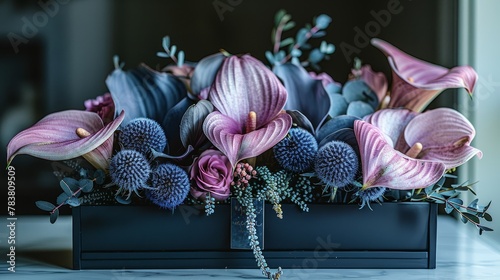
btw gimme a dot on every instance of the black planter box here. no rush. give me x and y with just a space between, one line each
393 235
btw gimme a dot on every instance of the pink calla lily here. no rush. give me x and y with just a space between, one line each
249 100
445 135
66 135
416 83
392 122
383 166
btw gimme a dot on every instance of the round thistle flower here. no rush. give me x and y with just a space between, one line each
369 195
143 134
169 186
296 152
129 170
336 164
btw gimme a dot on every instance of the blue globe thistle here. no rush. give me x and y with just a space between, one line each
143 134
169 186
369 195
129 170
336 164
296 152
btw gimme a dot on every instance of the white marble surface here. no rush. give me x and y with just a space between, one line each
43 251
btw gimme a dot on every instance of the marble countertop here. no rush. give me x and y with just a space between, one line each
43 251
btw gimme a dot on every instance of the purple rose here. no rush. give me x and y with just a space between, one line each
211 173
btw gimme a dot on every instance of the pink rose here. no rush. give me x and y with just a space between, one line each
211 173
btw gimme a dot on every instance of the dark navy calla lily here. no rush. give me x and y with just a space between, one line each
305 93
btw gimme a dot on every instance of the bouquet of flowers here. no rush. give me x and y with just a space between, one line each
230 126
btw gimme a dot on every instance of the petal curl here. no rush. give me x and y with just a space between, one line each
445 135
385 167
54 137
244 84
226 134
416 82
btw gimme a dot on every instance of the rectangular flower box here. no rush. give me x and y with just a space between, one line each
393 235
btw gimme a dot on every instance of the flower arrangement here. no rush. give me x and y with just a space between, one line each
230 126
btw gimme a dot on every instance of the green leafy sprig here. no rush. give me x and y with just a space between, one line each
72 189
296 46
449 196
171 52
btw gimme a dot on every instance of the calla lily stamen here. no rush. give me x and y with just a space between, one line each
415 150
82 132
251 122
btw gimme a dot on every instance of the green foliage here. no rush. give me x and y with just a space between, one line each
171 52
295 46
449 196
245 197
76 189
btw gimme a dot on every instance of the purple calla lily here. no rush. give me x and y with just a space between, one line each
66 135
249 100
383 166
416 83
445 136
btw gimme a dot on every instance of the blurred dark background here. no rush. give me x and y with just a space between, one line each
55 54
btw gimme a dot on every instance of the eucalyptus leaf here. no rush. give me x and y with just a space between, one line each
270 57
166 42
44 205
173 50
53 216
162 54
471 217
61 199
300 38
318 34
456 201
487 217
484 228
315 56
74 202
289 25
296 53
279 16
473 204
286 42
86 185
99 176
322 21
448 208
180 58
69 185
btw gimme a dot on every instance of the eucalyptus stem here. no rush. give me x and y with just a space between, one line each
308 35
